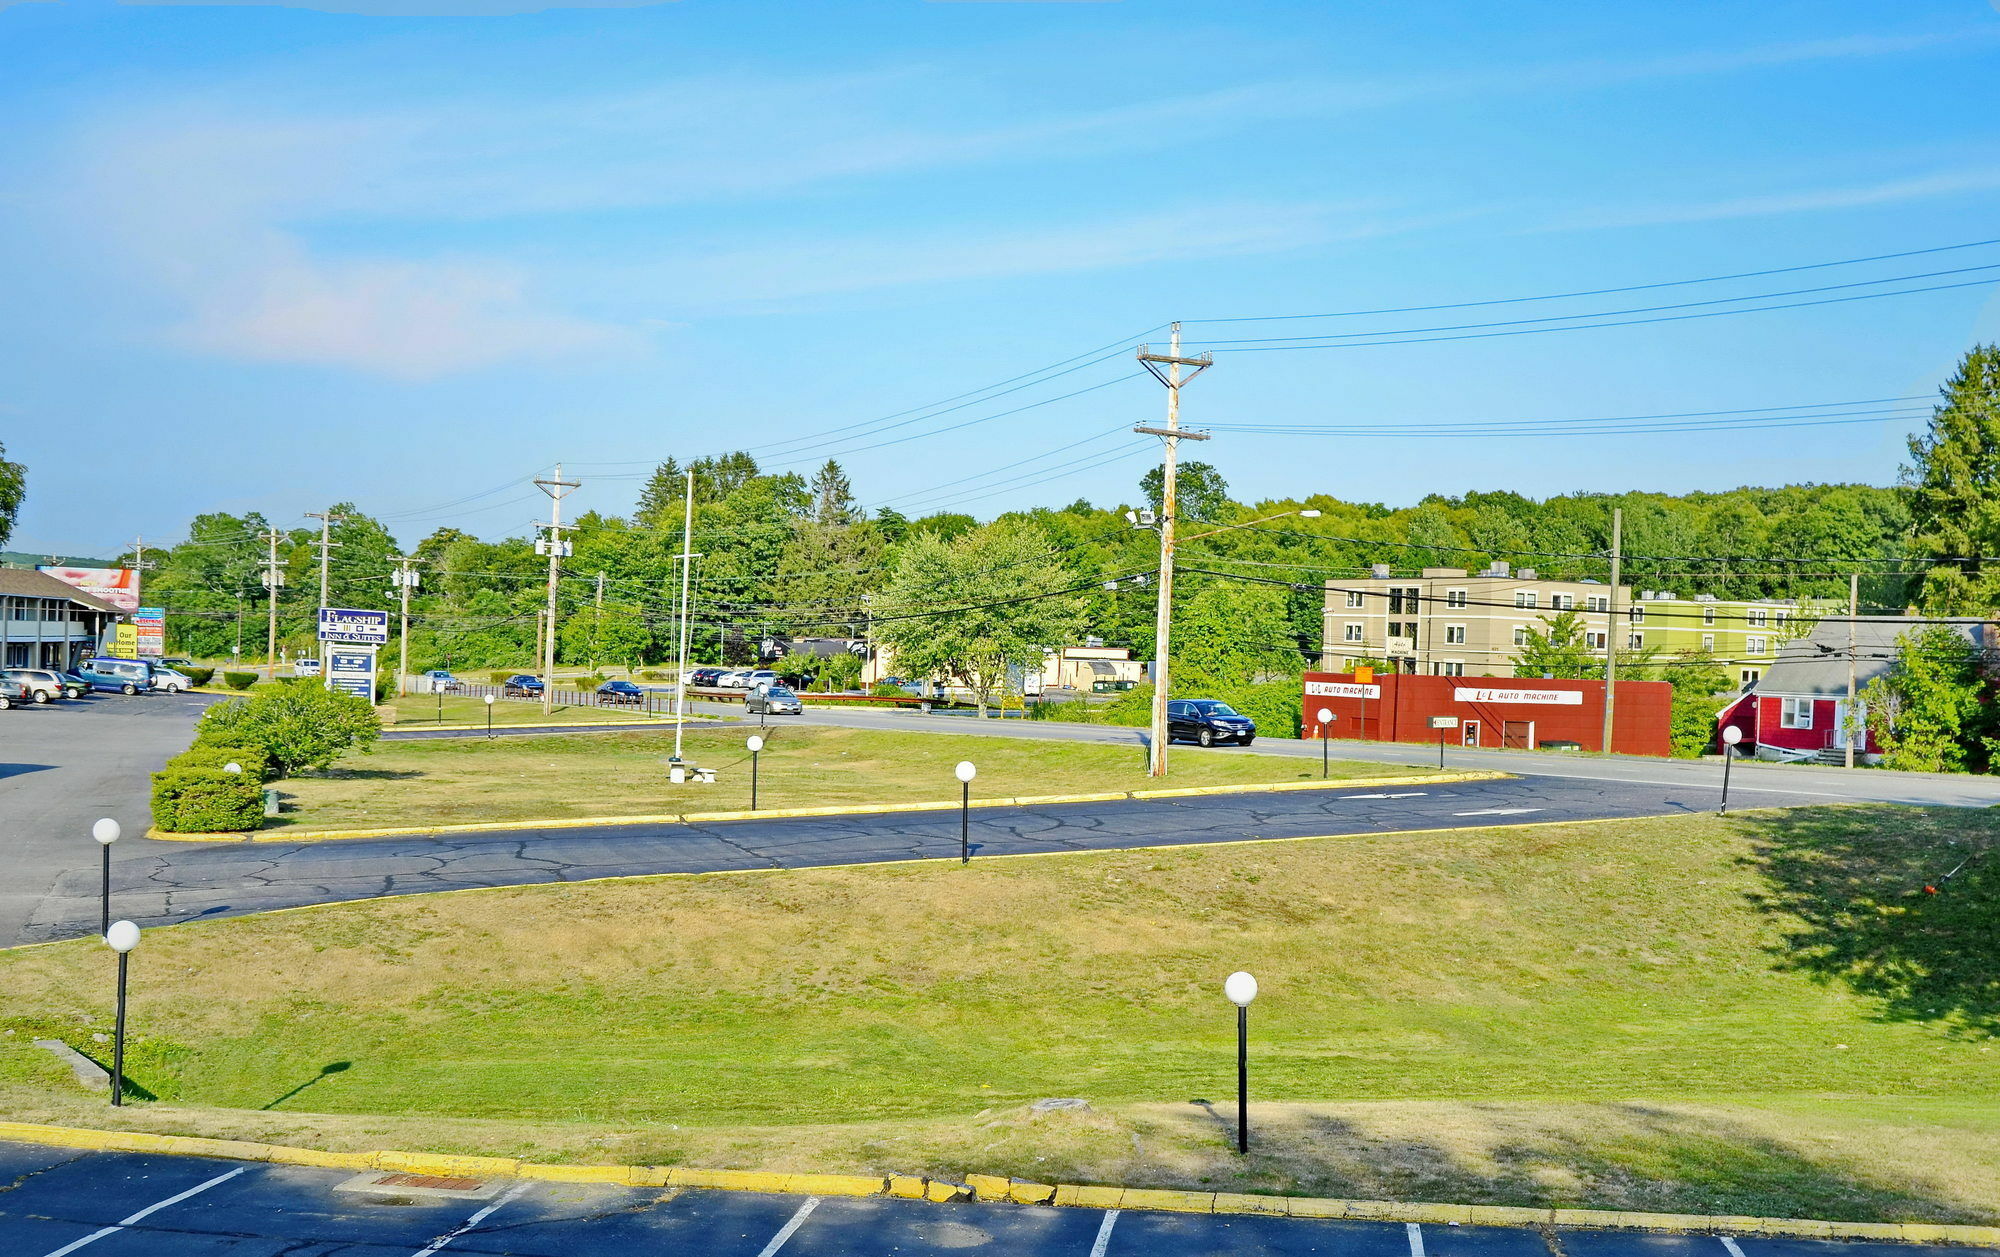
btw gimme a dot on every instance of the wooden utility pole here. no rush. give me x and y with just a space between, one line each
327 519
1172 436
1612 629
273 580
406 579
1853 609
557 489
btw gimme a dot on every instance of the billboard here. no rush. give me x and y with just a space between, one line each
150 625
118 586
341 624
352 670
121 641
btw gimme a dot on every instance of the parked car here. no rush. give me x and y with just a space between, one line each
1208 721
177 662
707 676
76 685
117 676
171 682
44 686
778 700
305 667
13 693
521 685
748 679
452 684
620 692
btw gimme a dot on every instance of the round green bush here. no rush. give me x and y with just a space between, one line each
207 801
239 680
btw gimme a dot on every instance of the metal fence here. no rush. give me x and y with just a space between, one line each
653 704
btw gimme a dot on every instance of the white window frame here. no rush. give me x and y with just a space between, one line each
1708 616
1753 645
1759 618
1520 635
1455 597
1356 598
1524 597
1795 713
1596 603
1562 602
1352 633
1596 640
1454 635
1708 643
1635 641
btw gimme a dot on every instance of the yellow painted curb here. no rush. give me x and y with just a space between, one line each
989 1187
789 813
635 722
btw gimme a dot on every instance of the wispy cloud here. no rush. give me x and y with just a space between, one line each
1945 183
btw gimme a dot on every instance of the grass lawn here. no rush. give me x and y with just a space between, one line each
417 710
624 774
1762 1013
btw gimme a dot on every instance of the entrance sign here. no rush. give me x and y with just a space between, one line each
339 624
1559 698
351 669
1444 722
1342 689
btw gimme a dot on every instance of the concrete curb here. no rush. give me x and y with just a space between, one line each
993 1188
648 722
785 813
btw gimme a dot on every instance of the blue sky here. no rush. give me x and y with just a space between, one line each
407 251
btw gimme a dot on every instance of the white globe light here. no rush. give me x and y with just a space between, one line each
106 831
1732 735
1326 715
965 771
232 767
1241 988
123 936
489 700
755 743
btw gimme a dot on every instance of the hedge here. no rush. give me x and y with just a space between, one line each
239 680
206 801
214 754
198 676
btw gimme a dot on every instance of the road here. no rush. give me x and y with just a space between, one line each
56 1201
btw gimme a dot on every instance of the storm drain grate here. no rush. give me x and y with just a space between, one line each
439 1186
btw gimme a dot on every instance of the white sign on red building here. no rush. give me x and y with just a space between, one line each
1559 698
1342 689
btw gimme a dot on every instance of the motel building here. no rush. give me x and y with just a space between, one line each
1515 713
45 623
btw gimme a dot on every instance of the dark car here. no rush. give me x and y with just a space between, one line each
1208 721
78 687
778 700
521 685
707 676
620 692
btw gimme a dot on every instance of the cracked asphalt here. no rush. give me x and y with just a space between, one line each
57 1201
93 757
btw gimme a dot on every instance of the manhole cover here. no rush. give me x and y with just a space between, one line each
439 1186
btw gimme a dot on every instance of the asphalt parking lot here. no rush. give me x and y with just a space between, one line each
59 1201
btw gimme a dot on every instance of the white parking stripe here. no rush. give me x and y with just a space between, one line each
136 1218
1416 1239
1729 1243
1104 1233
470 1222
798 1220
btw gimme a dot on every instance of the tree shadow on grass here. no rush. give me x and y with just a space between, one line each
1851 888
365 774
331 1067
1631 1157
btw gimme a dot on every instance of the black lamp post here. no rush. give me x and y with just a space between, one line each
106 831
756 745
123 937
1730 737
489 717
1325 723
1241 988
965 773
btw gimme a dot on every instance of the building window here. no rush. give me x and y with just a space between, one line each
1635 641
1520 635
1708 617
1562 602
52 610
1596 602
1354 597
1454 597
1453 669
1707 643
1399 629
1524 597
1403 600
1636 615
1753 646
1796 713
1759 617
1749 679
1454 635
1596 641
1352 633
21 609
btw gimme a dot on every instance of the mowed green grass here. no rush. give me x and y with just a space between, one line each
418 710
458 780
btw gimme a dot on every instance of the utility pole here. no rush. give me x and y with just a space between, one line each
1172 435
406 579
1853 609
687 566
1612 629
597 624
556 548
327 519
273 580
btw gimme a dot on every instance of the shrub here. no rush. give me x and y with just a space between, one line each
298 726
652 675
591 682
199 676
212 756
882 689
497 677
239 680
206 801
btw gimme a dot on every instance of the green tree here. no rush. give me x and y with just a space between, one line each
13 487
1954 482
970 610
1931 712
661 502
1228 635
1201 491
834 504
1560 649
298 726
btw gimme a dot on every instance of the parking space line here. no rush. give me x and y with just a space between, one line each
1416 1239
140 1216
1104 1233
1729 1242
470 1222
786 1232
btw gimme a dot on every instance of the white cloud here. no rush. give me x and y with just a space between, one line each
1981 178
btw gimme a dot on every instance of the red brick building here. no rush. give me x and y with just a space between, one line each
1522 713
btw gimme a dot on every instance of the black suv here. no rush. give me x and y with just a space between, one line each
1208 721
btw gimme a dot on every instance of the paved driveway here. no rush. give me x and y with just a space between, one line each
55 1202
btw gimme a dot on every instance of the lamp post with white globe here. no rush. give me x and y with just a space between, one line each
123 937
1325 726
756 744
106 832
489 717
1730 737
965 772
1241 988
